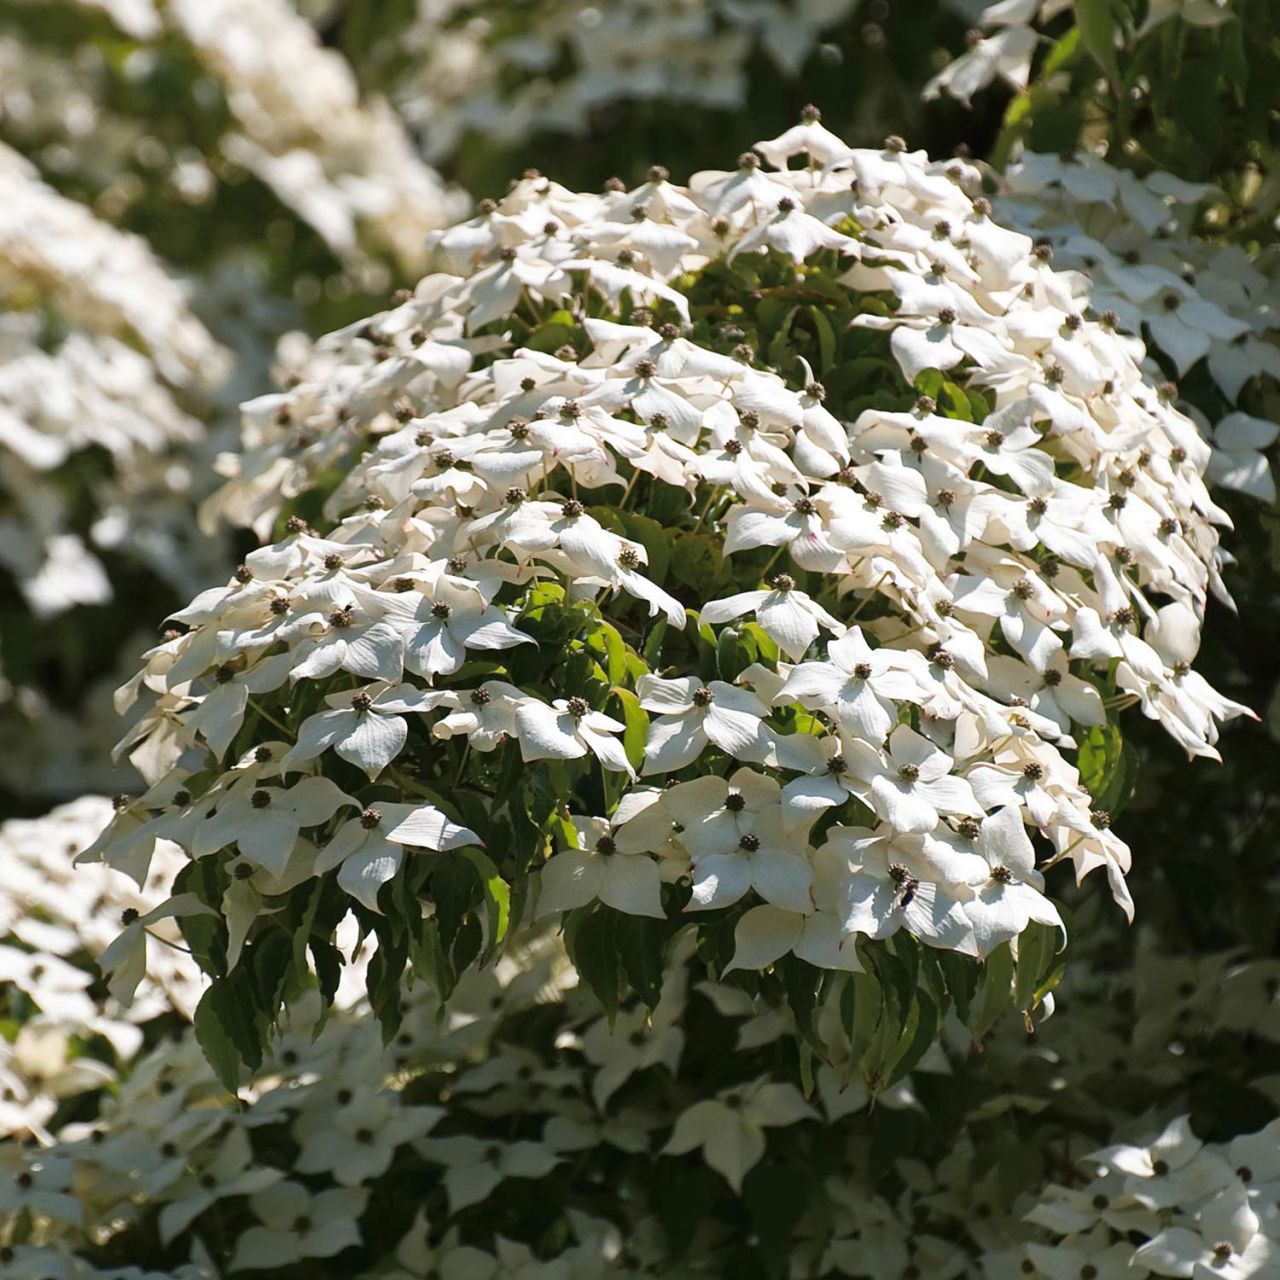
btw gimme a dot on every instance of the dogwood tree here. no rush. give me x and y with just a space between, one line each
612 819
679 531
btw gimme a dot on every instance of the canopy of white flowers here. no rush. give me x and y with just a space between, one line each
625 731
875 724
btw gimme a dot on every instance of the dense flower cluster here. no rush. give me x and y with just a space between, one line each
928 605
72 1038
115 395
345 166
600 829
471 1146
1199 1209
88 387
1200 303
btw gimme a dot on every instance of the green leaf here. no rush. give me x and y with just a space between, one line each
962 974
953 401
328 964
776 1195
607 641
1061 54
652 651
917 1038
860 1013
1233 41
497 897
466 946
229 1028
996 991
733 654
1108 767
806 1068
801 981
641 950
1097 25
684 1204
1037 955
636 719
385 969
766 649
271 960
929 382
978 405
215 1040
550 335
592 943
453 891
934 979
826 338
902 1011
302 931
774 314
205 935
697 561
429 958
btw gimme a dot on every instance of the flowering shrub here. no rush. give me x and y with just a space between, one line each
118 382
1204 1210
66 1038
600 829
1007 40
768 557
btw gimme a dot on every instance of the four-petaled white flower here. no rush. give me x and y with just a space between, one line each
1009 896
473 1167
598 869
730 1127
858 686
789 617
297 1223
567 730
369 849
440 628
355 1139
911 781
893 884
365 726
694 714
737 841
265 822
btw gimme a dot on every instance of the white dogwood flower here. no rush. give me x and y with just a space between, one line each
598 869
730 1128
1010 894
789 617
568 729
368 850
692 714
365 726
911 782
